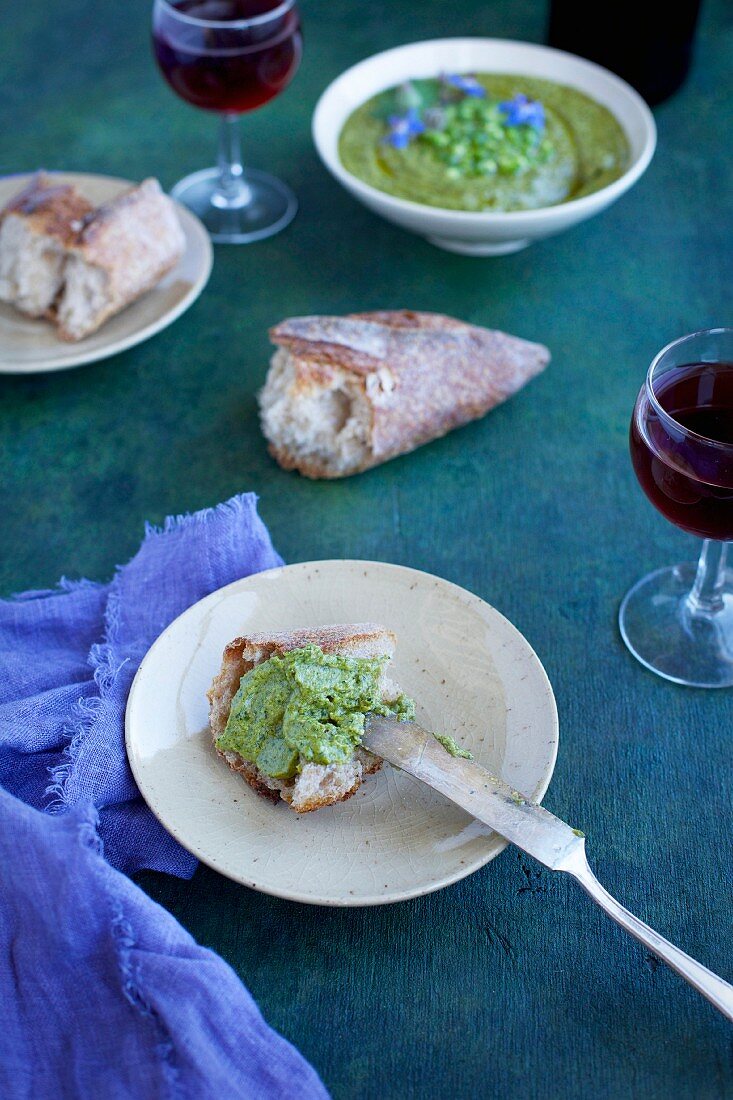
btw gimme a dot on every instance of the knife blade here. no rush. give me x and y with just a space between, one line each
535 830
409 747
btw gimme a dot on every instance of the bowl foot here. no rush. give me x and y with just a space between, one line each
479 248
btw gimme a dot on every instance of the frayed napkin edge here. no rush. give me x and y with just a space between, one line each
63 588
170 524
86 711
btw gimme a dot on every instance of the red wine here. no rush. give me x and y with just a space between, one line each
685 465
219 65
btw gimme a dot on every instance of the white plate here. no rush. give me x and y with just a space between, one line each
471 672
29 346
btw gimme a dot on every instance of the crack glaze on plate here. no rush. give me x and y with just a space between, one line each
29 345
471 673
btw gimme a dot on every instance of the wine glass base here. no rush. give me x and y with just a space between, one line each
661 631
268 208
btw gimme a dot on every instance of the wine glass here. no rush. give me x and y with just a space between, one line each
230 56
678 621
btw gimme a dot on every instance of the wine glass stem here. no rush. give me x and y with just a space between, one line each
706 597
233 191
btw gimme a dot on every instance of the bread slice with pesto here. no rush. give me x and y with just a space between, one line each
312 784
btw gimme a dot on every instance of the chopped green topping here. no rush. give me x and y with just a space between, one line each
451 745
475 138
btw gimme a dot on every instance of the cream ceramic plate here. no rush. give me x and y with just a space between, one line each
471 672
29 346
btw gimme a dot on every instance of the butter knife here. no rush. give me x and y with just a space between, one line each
535 830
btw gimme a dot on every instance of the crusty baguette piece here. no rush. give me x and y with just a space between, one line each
317 785
346 393
37 228
122 251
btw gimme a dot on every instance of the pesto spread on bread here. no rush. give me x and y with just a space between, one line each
304 707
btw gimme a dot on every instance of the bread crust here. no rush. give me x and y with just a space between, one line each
51 209
334 783
420 374
37 228
134 239
78 266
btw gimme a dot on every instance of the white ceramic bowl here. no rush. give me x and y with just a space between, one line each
481 234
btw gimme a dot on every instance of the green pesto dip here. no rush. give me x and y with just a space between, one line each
451 746
306 707
473 154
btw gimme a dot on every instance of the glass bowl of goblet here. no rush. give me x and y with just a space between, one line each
678 621
230 57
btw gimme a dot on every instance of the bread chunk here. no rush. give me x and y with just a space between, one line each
346 393
123 250
37 228
316 785
62 259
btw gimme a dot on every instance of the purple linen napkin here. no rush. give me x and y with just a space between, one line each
68 657
103 996
102 993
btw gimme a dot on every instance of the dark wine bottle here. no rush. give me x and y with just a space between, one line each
647 43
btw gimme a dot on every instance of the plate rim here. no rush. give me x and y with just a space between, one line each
192 227
495 846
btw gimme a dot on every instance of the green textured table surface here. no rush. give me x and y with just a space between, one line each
510 982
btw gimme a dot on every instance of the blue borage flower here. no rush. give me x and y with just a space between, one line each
522 111
466 84
402 128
